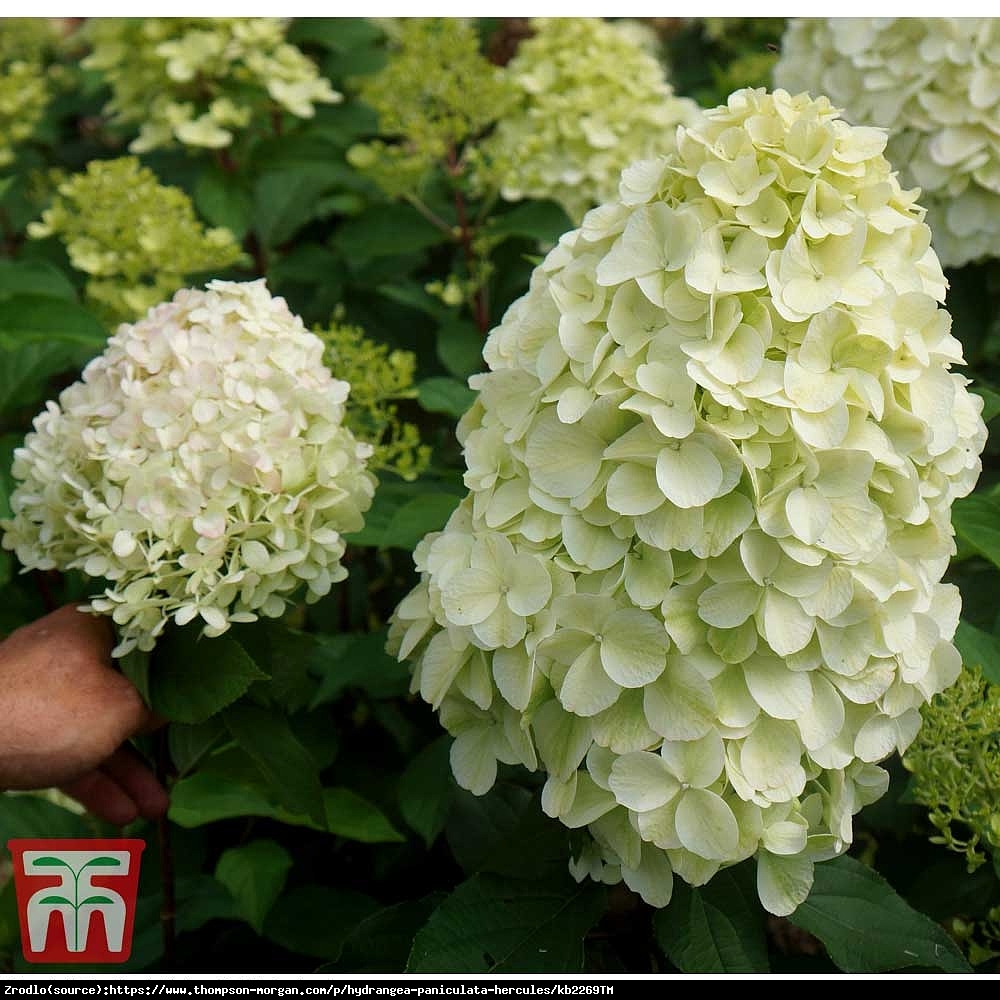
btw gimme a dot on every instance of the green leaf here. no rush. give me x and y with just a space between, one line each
460 347
991 400
315 920
285 200
386 230
192 679
396 522
414 295
979 648
544 221
977 522
56 899
716 928
358 661
135 665
351 816
383 941
221 791
255 874
427 789
205 797
867 927
96 900
41 337
190 744
30 815
285 655
344 124
506 832
223 201
341 34
200 898
34 277
491 924
46 319
287 767
445 395
27 371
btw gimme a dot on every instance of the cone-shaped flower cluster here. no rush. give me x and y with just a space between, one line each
697 577
935 84
199 466
592 100
199 81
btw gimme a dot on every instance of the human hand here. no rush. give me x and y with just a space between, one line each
66 714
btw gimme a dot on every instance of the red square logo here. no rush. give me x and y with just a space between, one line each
76 898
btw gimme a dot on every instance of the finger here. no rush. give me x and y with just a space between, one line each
88 632
102 796
152 723
127 770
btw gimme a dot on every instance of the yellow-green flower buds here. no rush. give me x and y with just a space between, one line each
25 89
137 239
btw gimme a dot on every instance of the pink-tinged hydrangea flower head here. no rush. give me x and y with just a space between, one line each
199 466
696 580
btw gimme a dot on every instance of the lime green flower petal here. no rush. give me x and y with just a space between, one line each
726 423
783 882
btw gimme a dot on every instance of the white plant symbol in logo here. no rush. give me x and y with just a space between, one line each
76 899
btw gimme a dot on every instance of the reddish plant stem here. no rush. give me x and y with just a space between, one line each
43 580
225 160
168 889
480 310
257 251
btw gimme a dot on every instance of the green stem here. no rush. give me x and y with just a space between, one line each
431 216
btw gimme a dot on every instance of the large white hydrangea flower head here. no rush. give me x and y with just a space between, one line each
594 98
697 577
199 466
935 84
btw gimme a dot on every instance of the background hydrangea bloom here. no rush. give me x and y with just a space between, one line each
935 84
199 466
697 577
198 81
593 99
136 238
26 44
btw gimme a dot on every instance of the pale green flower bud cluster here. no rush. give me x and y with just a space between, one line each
592 100
199 81
25 88
436 92
200 467
935 84
955 761
137 239
379 377
697 577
